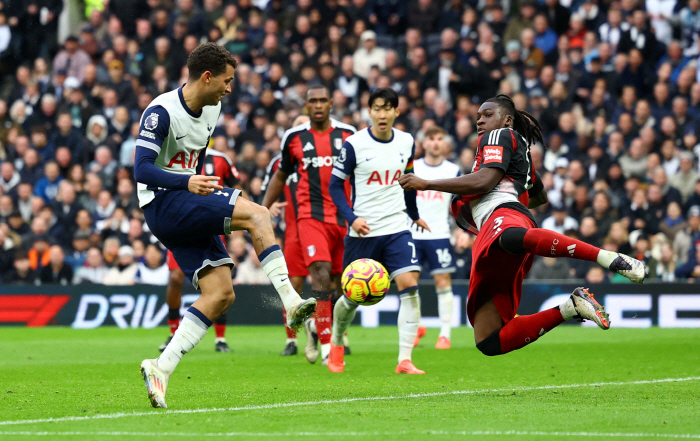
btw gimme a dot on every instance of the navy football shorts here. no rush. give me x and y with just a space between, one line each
397 252
437 253
190 226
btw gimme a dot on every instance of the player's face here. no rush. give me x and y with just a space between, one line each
220 85
383 115
434 144
491 117
318 104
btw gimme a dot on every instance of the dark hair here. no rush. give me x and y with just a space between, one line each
388 94
523 123
209 57
316 87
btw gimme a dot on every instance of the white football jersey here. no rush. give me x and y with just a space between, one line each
374 168
434 206
176 133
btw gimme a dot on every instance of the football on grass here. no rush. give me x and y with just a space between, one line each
365 281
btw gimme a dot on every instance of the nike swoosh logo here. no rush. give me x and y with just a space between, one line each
286 278
369 159
177 138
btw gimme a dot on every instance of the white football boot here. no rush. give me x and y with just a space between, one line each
298 314
311 349
156 382
629 267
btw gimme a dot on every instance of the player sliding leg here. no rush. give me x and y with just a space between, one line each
290 347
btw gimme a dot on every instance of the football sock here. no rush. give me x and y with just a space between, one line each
322 317
445 299
525 329
194 326
409 319
220 327
291 334
551 244
568 309
343 313
275 267
173 320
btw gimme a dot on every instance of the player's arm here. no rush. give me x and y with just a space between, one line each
342 170
152 134
537 193
275 187
409 197
285 166
495 160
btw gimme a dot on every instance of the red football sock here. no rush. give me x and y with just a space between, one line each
525 329
220 330
173 324
290 332
551 244
323 321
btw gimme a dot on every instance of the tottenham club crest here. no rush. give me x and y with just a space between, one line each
151 121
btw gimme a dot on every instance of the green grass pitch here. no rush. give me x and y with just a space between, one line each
574 382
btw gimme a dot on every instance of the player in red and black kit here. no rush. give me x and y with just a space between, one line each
311 149
215 164
496 195
292 248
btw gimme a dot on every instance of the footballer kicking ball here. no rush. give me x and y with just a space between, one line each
365 282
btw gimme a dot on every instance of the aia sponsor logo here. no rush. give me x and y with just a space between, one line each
493 153
387 179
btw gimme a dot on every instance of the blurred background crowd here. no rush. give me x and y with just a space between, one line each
615 85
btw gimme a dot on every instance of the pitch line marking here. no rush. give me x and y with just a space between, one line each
363 434
110 416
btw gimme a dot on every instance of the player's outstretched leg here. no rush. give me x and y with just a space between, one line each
311 350
408 321
290 347
220 330
525 329
255 219
551 244
343 313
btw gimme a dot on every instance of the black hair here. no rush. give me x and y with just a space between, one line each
389 96
316 87
523 123
209 57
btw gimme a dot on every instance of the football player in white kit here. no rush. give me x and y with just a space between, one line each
434 246
373 159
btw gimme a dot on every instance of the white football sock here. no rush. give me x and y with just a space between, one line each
445 299
291 340
343 313
276 269
325 350
568 309
409 319
192 329
605 258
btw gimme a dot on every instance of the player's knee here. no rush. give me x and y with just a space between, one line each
177 278
491 345
442 281
260 215
511 240
226 299
321 273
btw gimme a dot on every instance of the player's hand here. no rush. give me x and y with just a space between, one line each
360 226
203 185
420 223
276 208
409 181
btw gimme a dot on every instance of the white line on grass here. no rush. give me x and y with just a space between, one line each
110 416
363 434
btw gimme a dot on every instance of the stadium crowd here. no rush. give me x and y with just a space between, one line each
614 84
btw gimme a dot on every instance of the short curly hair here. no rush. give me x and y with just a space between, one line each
209 57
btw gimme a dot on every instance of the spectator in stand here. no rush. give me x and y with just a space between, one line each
124 272
560 221
57 272
21 274
154 271
687 236
93 271
368 55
